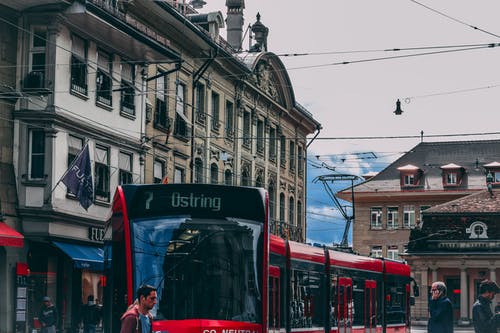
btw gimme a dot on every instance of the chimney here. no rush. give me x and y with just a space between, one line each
234 23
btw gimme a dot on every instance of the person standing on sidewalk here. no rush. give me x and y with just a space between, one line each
440 309
482 317
48 316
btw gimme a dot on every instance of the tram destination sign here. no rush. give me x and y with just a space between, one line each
197 200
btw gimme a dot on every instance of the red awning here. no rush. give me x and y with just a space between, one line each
10 237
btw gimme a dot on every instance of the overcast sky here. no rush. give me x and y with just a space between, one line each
442 94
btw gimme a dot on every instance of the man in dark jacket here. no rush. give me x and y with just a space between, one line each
91 315
483 318
48 316
440 309
137 318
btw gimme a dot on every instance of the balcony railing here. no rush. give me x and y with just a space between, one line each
286 230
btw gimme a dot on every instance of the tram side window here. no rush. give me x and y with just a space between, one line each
395 303
307 299
358 297
333 300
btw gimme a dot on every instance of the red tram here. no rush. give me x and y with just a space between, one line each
208 251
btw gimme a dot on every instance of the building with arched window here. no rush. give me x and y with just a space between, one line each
156 95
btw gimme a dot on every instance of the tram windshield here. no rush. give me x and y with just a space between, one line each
202 268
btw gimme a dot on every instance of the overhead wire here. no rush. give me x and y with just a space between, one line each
454 19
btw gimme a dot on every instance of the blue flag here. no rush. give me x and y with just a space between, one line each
78 178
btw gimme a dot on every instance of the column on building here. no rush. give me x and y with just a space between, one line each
464 313
434 275
421 305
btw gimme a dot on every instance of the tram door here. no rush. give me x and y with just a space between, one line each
274 299
345 305
370 306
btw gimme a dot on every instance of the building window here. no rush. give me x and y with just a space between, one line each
300 161
292 155
409 180
229 128
127 93
282 151
291 211
392 217
37 154
260 136
179 175
299 213
36 76
101 173
228 177
245 177
408 216
104 84
200 103
181 121
198 171
451 178
246 129
376 218
410 175
282 207
215 111
78 65
272 201
376 251
214 174
125 168
393 252
452 174
272 144
75 145
158 171
161 112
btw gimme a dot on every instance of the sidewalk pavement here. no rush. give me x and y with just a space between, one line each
423 328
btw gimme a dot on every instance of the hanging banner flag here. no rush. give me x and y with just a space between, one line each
78 178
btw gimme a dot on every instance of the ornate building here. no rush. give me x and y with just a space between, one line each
157 95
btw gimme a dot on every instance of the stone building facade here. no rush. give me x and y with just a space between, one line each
157 95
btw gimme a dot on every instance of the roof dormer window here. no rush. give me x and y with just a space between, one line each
452 175
493 173
410 175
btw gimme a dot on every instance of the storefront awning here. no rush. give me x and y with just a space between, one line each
83 256
10 237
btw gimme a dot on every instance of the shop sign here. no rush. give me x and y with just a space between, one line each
96 234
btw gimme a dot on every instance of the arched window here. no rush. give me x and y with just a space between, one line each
282 207
228 177
198 171
272 201
258 181
214 174
299 213
291 211
245 177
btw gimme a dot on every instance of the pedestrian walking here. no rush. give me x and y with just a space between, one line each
440 310
48 316
482 317
90 315
137 318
